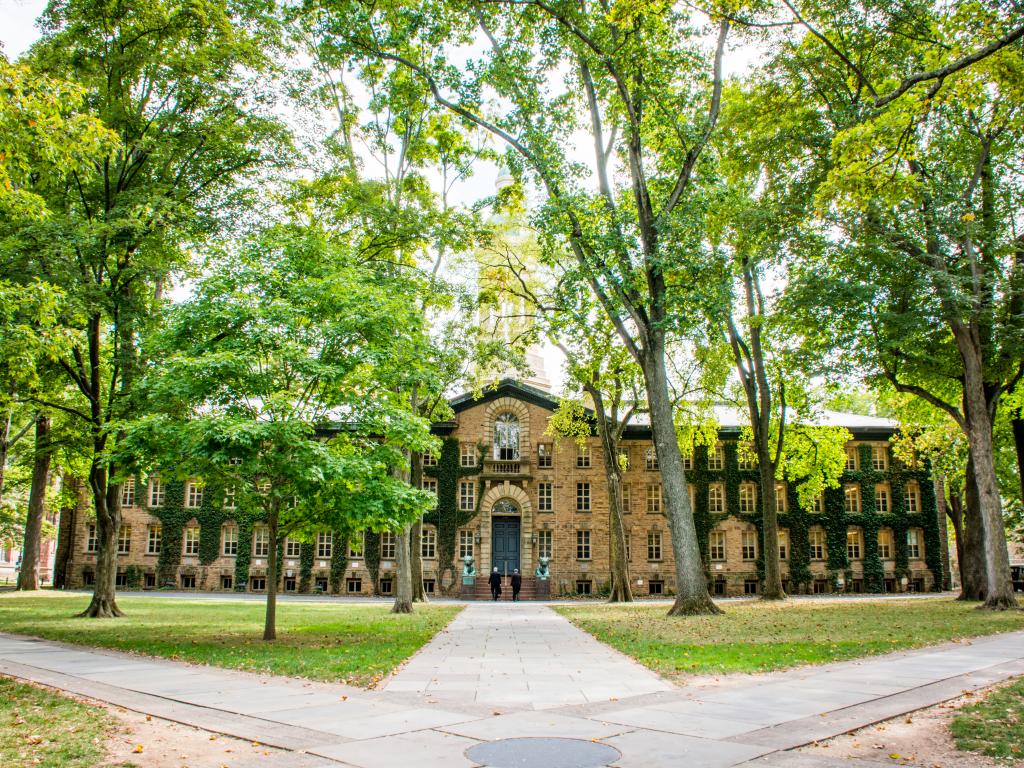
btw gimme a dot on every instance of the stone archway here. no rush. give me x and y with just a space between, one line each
520 411
506 491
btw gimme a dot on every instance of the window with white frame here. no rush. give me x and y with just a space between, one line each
154 539
716 545
653 546
260 541
128 492
716 498
194 494
545 497
781 498
783 545
465 544
429 460
467 455
716 457
651 459
429 484
191 541
654 498
914 544
746 457
882 498
816 539
879 457
229 539
748 498
688 462
582 545
545 456
157 492
235 461
467 495
885 543
852 458
124 540
324 544
583 456
851 499
818 506
582 497
913 496
91 542
355 546
748 545
506 437
388 545
853 543
292 548
428 543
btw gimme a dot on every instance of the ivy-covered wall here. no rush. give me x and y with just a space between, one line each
447 518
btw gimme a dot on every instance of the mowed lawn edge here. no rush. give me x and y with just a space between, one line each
757 636
353 643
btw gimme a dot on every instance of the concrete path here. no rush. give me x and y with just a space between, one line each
428 716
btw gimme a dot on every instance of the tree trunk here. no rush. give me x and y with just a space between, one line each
972 569
28 577
66 533
770 522
106 500
416 536
270 620
5 436
403 574
692 596
620 587
955 513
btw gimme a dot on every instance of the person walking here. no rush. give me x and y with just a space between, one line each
517 584
495 582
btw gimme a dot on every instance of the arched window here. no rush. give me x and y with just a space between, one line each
506 437
505 507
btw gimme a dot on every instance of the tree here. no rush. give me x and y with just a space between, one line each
278 384
182 87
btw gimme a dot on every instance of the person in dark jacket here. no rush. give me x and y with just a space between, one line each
517 583
495 582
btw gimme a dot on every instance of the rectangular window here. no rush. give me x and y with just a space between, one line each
626 501
191 541
545 544
655 587
230 498
852 458
913 544
913 499
157 492
128 492
853 544
750 586
653 499
624 459
851 499
260 542
388 545
258 584
292 548
428 543
716 499
429 586
387 586
653 546
880 457
747 458
651 459
229 537
544 456
194 495
226 581
324 544
781 504
582 497
154 539
429 484
235 461
429 460
355 546
749 545
353 586
582 545
188 581
748 498
544 497
819 504
716 545
885 544
465 544
716 457
124 540
583 456
290 584
783 545
688 462
467 455
816 538
881 498
467 495
584 586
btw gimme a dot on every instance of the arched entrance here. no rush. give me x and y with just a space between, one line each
506 523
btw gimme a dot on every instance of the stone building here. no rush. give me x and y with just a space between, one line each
508 494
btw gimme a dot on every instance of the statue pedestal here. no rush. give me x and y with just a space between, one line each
543 589
468 591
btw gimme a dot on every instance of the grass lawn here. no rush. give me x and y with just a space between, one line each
339 642
44 729
993 726
757 637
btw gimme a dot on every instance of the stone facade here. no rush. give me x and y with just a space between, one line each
560 507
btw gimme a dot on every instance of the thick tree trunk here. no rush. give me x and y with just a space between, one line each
692 596
28 577
770 522
972 569
66 534
403 574
620 587
106 500
416 536
270 619
955 513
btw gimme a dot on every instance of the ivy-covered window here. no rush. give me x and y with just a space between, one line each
783 545
324 544
429 484
914 544
544 497
913 496
882 498
748 498
653 546
816 540
651 459
428 543
688 462
716 545
545 544
582 497
292 548
851 499
506 437
355 546
91 542
749 545
429 460
260 541
388 545
545 456
716 457
194 494
465 544
885 543
235 461
190 541
852 458
583 456
154 539
653 499
128 492
467 495
716 498
467 455
582 545
853 543
781 498
230 498
157 492
880 457
747 458
229 539
818 507
124 540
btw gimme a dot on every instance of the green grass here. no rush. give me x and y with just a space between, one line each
993 726
46 730
757 637
339 642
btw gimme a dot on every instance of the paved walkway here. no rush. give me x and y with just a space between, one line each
426 717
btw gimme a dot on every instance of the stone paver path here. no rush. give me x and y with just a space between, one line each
521 655
517 670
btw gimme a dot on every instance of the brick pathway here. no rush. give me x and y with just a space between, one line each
532 674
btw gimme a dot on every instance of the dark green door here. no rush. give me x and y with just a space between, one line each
505 538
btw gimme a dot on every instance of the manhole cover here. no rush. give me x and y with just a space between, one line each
542 753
